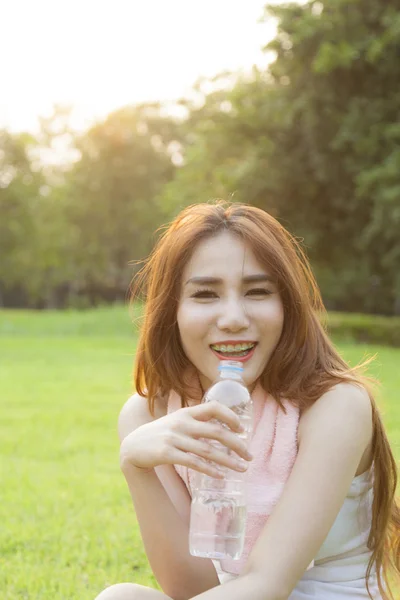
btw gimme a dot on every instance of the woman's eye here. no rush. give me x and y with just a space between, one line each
259 291
203 294
210 293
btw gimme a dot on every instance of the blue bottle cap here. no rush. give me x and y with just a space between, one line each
230 365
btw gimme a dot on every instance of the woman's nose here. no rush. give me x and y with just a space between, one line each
233 316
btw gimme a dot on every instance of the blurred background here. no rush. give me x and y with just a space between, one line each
115 116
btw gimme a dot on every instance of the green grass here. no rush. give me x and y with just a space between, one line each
67 523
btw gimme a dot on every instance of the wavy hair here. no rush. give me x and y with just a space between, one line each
304 365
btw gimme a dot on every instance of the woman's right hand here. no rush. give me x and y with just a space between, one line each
176 439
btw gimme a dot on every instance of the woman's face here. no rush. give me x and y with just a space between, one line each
228 298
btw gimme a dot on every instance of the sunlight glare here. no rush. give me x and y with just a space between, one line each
100 55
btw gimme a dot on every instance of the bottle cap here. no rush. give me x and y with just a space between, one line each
230 365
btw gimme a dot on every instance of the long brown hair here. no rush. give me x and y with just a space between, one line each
304 365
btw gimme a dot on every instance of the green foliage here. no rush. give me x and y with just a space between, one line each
35 238
369 329
19 191
114 190
344 94
68 232
314 140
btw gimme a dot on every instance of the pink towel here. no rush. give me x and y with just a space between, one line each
274 447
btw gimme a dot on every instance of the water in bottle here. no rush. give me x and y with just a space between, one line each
218 508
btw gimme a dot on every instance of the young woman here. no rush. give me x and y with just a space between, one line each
226 274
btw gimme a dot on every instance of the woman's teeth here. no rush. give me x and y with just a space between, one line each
233 349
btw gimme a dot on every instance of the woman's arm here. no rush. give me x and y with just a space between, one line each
163 518
337 430
335 433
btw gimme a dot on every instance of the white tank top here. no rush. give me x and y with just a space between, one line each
341 563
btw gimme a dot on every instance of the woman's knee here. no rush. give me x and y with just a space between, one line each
122 591
130 591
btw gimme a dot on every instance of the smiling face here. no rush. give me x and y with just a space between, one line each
228 298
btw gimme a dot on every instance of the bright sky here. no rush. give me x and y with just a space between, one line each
99 55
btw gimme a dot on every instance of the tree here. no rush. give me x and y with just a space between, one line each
114 189
338 64
19 191
35 236
315 140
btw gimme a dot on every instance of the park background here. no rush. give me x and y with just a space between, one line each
310 133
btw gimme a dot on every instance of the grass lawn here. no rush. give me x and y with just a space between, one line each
67 524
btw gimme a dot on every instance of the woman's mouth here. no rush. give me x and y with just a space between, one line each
241 352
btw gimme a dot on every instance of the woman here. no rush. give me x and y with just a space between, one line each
226 273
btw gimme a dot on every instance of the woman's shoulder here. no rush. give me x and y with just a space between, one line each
347 399
136 412
348 395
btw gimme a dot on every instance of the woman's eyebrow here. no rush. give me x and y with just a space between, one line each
257 278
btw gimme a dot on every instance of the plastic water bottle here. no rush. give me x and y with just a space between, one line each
218 509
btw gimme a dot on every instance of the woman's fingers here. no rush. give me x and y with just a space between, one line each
196 463
216 431
217 421
209 452
209 410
